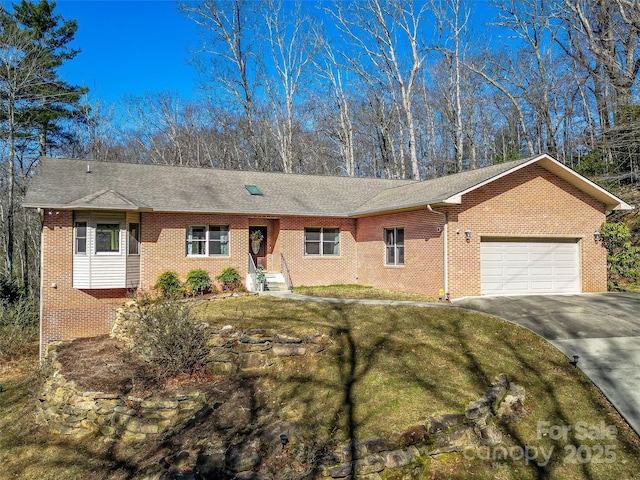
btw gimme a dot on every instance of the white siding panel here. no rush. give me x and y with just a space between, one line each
529 267
81 271
133 271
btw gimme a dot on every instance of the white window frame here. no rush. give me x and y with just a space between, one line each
119 237
321 242
76 237
207 240
394 246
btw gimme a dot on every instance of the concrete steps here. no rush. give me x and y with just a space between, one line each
275 282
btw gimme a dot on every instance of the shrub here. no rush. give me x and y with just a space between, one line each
18 325
231 279
9 290
169 285
166 335
623 258
198 282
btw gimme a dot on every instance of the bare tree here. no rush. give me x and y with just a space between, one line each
22 68
232 46
382 31
342 130
291 47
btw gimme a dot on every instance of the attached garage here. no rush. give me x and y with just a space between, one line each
529 266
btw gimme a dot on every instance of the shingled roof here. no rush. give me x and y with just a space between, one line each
81 184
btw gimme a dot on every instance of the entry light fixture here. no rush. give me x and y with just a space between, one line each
284 439
467 235
597 236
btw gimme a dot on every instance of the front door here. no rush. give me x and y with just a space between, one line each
258 245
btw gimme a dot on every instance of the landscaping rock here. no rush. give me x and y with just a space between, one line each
401 458
283 338
288 350
454 440
444 422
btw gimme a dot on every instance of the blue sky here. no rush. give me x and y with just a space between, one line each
130 47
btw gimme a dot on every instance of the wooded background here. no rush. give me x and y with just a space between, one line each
393 89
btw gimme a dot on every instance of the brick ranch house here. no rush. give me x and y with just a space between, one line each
520 227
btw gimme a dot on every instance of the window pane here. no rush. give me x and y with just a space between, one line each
81 245
399 236
196 240
107 237
81 237
312 248
196 233
196 248
400 256
312 234
134 238
219 240
330 234
389 236
391 259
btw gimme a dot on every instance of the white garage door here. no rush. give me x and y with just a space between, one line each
529 267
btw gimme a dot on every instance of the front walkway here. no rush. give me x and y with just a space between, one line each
356 301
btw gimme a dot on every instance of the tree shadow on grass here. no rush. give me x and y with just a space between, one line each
326 399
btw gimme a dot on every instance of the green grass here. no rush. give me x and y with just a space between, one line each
360 292
386 369
400 365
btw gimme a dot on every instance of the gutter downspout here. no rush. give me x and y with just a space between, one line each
446 250
41 217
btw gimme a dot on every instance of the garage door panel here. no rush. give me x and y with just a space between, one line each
521 267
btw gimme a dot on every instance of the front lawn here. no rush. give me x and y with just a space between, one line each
386 369
361 292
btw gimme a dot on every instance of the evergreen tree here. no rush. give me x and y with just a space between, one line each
35 104
51 100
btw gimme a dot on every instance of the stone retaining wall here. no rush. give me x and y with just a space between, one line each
68 410
233 349
443 434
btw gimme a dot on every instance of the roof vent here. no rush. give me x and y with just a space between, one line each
253 190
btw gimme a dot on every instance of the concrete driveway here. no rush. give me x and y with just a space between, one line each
603 329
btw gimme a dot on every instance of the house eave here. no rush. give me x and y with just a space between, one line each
610 201
401 208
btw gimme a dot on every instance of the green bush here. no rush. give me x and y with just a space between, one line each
231 279
198 282
9 290
18 325
168 284
166 334
623 258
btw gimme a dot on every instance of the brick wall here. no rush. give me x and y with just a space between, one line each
316 270
526 203
529 202
423 268
163 245
67 312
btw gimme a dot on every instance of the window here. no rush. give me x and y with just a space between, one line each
81 238
212 240
394 242
322 241
107 237
134 239
219 240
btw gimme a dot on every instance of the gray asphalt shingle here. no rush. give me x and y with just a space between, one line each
67 184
